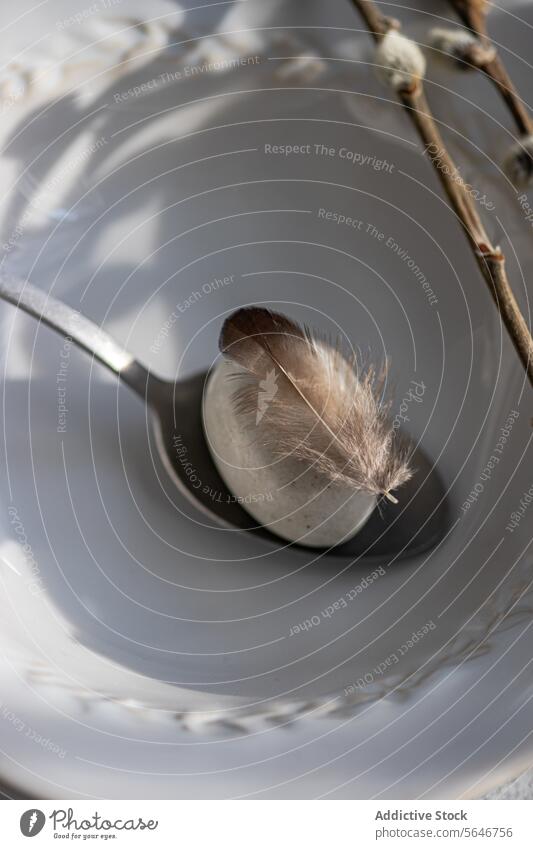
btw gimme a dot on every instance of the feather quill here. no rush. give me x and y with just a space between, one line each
307 400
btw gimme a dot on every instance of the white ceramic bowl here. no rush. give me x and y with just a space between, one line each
143 654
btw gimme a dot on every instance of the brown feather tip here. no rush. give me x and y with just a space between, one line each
304 397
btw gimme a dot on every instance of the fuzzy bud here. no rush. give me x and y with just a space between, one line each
519 162
401 62
462 47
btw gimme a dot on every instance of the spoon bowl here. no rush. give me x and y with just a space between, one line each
175 410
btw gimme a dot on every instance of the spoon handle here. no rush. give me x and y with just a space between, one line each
83 332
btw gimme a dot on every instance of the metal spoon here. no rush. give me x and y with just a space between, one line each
177 429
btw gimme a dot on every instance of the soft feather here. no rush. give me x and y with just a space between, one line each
321 409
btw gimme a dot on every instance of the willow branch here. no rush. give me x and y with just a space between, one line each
377 24
474 16
489 258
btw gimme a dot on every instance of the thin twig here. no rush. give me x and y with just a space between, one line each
377 24
474 16
490 259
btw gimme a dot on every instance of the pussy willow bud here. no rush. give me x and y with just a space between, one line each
519 162
462 47
400 61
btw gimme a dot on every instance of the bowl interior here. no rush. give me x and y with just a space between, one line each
181 213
